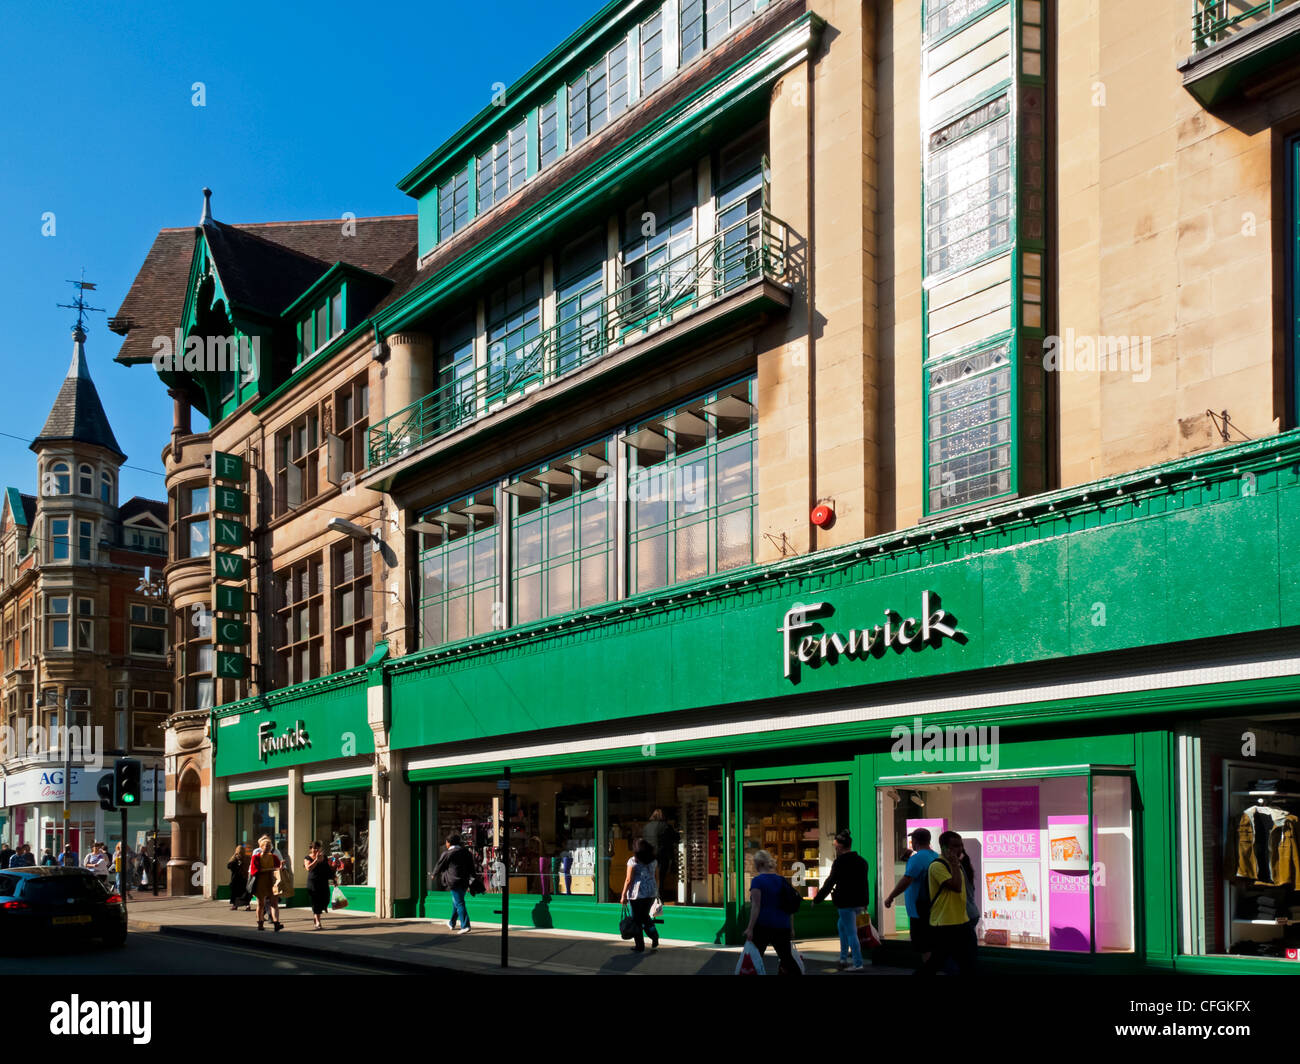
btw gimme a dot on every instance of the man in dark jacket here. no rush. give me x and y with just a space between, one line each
6 852
847 883
455 871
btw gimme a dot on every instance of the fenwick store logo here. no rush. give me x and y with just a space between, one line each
296 738
898 633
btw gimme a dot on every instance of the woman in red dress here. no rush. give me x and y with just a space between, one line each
261 882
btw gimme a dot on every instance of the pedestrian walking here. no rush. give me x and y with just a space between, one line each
97 861
68 859
455 872
847 886
915 874
262 868
123 862
640 889
769 916
47 859
238 865
142 867
319 878
951 937
23 858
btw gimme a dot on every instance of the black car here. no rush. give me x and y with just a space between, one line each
40 905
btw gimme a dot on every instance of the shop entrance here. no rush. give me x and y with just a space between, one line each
794 818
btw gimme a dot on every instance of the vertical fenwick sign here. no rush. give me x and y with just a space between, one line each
229 538
805 641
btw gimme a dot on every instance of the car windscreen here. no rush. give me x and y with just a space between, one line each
54 888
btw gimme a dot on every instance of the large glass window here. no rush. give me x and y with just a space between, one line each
353 631
57 606
59 539
545 842
1240 814
548 130
297 462
703 23
968 188
679 812
795 823
148 627
658 232
299 622
502 168
652 53
562 551
194 529
579 301
968 424
351 419
342 823
691 490
599 94
255 819
460 571
453 204
514 326
457 400
1052 857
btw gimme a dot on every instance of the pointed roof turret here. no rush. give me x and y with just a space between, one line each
77 415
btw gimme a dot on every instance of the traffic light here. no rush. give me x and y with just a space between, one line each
105 789
126 781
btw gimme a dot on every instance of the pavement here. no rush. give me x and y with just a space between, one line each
427 946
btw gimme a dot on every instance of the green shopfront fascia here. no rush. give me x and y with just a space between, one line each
1114 731
297 767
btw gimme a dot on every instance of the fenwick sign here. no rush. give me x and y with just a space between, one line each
296 738
898 633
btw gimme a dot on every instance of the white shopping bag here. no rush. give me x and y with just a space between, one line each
751 961
798 957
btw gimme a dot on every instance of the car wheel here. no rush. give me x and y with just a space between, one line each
116 939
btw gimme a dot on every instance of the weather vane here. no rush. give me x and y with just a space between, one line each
83 286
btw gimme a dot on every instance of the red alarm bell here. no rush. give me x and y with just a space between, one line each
822 516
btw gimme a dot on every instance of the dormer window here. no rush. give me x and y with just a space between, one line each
322 324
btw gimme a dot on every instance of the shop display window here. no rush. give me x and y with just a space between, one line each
545 842
687 835
342 823
255 819
1240 815
1051 857
796 823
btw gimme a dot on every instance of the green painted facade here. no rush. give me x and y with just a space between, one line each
1113 566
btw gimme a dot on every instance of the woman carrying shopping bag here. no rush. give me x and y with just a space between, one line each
640 889
238 866
319 877
772 901
262 875
847 885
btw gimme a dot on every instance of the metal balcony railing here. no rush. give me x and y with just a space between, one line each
756 246
1217 20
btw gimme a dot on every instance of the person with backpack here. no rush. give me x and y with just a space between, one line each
640 888
848 886
915 874
772 901
455 871
951 936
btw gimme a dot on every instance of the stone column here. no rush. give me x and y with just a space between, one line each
408 374
300 828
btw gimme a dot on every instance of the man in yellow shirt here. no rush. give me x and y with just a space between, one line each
950 933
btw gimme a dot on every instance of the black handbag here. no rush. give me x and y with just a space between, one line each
476 886
627 926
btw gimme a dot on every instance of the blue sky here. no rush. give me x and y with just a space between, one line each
311 110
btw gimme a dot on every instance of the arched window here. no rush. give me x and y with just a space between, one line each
85 480
106 488
59 479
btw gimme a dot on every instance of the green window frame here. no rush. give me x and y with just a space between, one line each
460 570
321 325
580 301
503 167
692 489
969 426
599 94
652 52
515 348
702 24
457 386
562 521
968 186
656 269
548 132
453 204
